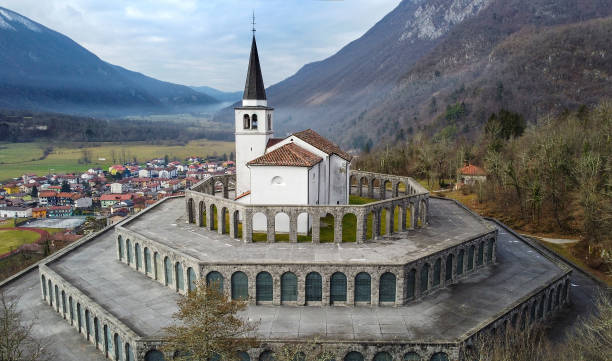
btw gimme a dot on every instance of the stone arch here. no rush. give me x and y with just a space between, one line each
386 184
372 182
138 256
382 356
215 279
304 222
314 287
363 288
439 356
88 323
363 181
212 215
289 287
128 249
337 288
400 188
411 284
449 268
117 345
349 228
260 226
79 317
237 224
179 283
480 258
240 286
353 356
120 247
97 332
44 286
266 355
326 228
191 218
460 258
225 224
471 254
422 213
108 346
155 265
424 279
154 355
264 287
147 260
218 187
57 298
281 227
387 286
191 279
167 271
129 355
64 303
202 213
71 310
371 225
490 250
396 222
437 272
243 356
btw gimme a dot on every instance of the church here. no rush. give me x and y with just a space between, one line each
302 168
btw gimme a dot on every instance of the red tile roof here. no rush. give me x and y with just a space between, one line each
323 144
273 141
288 155
45 194
471 169
243 195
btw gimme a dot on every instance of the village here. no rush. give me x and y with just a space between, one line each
61 208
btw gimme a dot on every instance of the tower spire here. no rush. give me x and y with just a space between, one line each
254 89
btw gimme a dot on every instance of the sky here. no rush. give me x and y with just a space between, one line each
207 42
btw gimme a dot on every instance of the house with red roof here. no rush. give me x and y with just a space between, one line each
470 174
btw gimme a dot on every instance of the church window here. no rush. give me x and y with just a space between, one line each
387 287
277 180
263 287
289 287
246 122
363 287
254 121
338 288
314 287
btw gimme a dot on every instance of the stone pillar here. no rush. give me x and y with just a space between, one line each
443 271
211 218
316 228
276 289
325 296
247 226
376 224
413 216
233 229
252 287
338 227
220 220
293 216
226 189
370 188
400 281
362 227
350 289
360 188
198 214
382 189
375 288
390 220
270 218
301 296
401 218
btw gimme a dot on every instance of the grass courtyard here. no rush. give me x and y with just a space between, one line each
12 239
349 226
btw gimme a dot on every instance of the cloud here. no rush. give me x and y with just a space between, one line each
207 42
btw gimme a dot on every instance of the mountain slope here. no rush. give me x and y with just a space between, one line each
41 69
428 56
218 94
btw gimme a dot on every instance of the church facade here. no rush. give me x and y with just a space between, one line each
302 168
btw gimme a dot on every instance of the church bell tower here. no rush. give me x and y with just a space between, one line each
253 122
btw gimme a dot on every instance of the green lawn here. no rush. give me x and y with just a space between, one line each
19 158
13 239
349 226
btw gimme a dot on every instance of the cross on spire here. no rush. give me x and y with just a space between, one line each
253 23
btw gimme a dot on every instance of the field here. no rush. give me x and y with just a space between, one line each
13 239
19 158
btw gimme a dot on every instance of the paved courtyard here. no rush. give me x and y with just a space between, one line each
449 225
67 223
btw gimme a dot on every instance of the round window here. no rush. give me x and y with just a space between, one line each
277 180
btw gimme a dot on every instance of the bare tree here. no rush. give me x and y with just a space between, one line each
208 327
16 340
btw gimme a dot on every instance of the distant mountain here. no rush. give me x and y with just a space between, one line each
41 69
218 94
435 64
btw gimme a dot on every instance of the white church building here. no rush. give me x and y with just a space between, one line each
303 168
